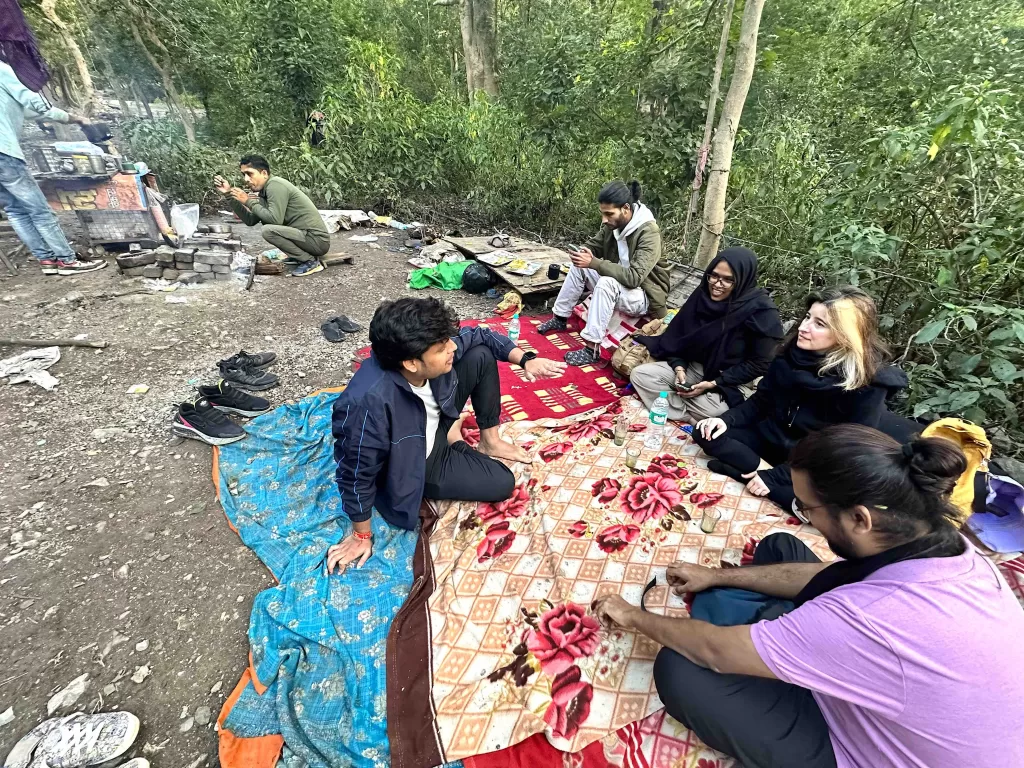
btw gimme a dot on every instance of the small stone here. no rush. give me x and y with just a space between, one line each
109 690
7 716
122 572
67 696
161 557
186 725
203 715
300 374
141 673
217 686
142 646
26 604
105 433
99 482
101 526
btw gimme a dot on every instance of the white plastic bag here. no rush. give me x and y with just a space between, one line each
185 219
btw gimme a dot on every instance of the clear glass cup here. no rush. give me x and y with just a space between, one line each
710 519
621 429
632 454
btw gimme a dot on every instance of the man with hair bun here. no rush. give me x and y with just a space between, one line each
902 654
621 265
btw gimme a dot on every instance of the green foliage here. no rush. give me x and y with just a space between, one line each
880 144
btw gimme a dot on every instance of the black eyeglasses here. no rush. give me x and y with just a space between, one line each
800 506
713 278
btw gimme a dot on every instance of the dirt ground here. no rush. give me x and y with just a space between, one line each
114 553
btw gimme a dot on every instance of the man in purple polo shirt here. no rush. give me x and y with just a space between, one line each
904 653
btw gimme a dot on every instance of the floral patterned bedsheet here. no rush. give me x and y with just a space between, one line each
515 649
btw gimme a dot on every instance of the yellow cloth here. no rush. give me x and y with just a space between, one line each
976 447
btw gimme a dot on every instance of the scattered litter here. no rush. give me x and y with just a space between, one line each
31 366
99 482
338 220
203 715
364 238
141 673
7 716
142 646
159 284
152 749
138 389
69 695
175 300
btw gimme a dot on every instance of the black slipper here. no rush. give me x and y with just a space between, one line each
335 328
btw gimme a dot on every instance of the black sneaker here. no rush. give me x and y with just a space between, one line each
201 421
248 377
224 397
250 360
555 325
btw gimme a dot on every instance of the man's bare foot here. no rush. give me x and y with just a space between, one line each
500 449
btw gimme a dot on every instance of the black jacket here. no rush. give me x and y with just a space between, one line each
379 427
746 356
784 413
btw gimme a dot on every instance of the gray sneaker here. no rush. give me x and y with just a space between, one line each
247 376
75 741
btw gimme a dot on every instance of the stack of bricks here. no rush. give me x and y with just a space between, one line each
212 254
203 258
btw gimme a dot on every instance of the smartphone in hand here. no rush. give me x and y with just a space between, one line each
684 387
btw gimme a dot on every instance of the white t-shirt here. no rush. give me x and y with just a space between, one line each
433 412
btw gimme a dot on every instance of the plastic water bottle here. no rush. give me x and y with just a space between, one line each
656 429
513 328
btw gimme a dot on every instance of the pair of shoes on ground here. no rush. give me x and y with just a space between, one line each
203 418
246 370
335 328
76 267
76 741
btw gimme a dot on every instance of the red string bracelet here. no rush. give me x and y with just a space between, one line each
363 536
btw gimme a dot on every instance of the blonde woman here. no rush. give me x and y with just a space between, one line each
834 370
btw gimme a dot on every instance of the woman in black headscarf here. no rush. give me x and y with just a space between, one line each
724 337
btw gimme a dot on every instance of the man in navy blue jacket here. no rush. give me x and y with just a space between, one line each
396 426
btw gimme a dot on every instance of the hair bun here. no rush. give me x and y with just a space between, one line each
634 191
934 464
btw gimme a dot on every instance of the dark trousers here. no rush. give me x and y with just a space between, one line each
456 471
741 450
762 723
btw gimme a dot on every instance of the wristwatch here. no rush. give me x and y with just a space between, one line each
527 357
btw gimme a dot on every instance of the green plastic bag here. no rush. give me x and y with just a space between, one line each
447 277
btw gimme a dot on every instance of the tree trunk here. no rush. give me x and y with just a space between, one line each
141 102
478 44
166 76
117 85
709 123
49 10
725 137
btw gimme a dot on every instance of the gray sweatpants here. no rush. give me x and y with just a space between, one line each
651 379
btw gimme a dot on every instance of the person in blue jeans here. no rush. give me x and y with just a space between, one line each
20 196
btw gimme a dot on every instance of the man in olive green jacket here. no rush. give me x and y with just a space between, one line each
290 221
621 265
